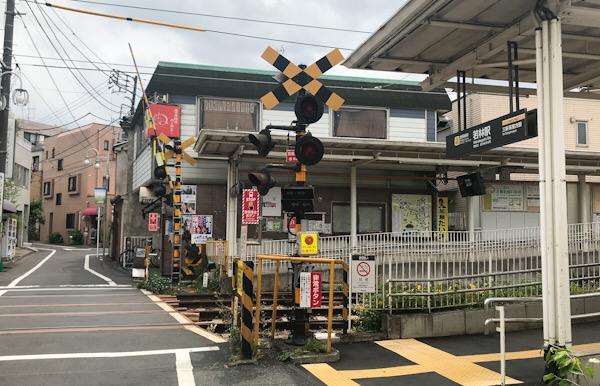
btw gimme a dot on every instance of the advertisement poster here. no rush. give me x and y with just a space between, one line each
503 198
533 198
100 195
201 228
442 216
411 213
271 203
188 199
186 222
250 206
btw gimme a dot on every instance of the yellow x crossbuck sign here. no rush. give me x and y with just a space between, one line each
297 79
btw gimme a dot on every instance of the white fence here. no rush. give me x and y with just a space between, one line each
429 270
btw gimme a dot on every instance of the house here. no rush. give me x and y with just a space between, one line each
69 184
380 153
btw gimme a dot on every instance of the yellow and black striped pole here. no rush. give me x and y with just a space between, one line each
177 231
247 307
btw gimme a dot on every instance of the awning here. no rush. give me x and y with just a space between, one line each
90 212
8 206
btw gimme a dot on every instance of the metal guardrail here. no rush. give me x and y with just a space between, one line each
489 301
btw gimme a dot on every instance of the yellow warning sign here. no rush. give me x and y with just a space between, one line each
309 243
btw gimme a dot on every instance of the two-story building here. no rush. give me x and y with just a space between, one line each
378 159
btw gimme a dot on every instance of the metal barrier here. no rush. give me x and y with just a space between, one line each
433 270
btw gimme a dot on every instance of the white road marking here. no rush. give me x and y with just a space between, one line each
32 270
185 370
8 358
87 268
69 288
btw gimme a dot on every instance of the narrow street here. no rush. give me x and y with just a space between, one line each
69 318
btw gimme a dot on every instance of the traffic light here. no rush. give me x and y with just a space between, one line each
309 150
298 199
262 180
262 141
160 172
159 190
309 109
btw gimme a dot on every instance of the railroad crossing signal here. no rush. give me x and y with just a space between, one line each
296 79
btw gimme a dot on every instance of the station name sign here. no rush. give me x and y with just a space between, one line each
510 128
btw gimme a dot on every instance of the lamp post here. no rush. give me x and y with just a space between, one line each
98 165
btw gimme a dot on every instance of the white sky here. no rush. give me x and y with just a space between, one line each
80 38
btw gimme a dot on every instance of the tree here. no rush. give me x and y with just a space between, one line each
36 216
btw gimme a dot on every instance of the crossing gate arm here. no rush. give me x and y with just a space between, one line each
278 259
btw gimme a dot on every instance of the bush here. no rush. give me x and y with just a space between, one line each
156 284
55 238
77 237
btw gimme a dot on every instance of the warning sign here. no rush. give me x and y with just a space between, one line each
363 277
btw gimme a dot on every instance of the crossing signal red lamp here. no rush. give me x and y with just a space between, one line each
160 172
262 141
159 190
309 109
262 180
309 150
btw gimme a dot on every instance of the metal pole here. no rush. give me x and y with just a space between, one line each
104 237
98 212
7 62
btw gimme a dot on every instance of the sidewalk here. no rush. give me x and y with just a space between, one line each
20 252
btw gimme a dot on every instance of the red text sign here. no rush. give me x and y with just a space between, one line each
152 222
290 156
315 289
167 119
250 206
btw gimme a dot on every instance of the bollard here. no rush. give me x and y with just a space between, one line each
247 307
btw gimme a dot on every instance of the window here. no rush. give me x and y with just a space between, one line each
36 164
60 164
47 190
582 131
371 218
229 114
58 198
21 175
72 184
31 137
360 123
105 144
70 220
53 151
106 182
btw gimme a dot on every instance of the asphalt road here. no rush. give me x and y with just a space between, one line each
68 317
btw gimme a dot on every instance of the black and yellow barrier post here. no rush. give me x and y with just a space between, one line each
247 310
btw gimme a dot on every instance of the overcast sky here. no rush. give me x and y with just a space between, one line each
65 58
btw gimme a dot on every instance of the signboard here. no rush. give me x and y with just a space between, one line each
310 289
100 195
363 274
152 222
290 226
271 203
309 243
290 156
201 228
411 213
250 202
509 128
167 119
442 216
503 198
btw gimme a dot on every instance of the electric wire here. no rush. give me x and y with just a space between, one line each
43 14
225 17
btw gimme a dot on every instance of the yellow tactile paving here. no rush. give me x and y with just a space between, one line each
445 364
328 375
460 369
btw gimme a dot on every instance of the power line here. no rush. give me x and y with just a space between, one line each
225 17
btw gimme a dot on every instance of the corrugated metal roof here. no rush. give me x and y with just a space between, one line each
442 36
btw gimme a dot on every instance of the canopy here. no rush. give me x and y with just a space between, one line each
90 212
8 206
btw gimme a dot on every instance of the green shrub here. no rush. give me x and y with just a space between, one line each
156 284
55 238
77 237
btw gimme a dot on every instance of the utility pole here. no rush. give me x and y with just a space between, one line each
7 62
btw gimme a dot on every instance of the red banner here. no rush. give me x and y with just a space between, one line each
152 222
167 119
250 206
315 289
